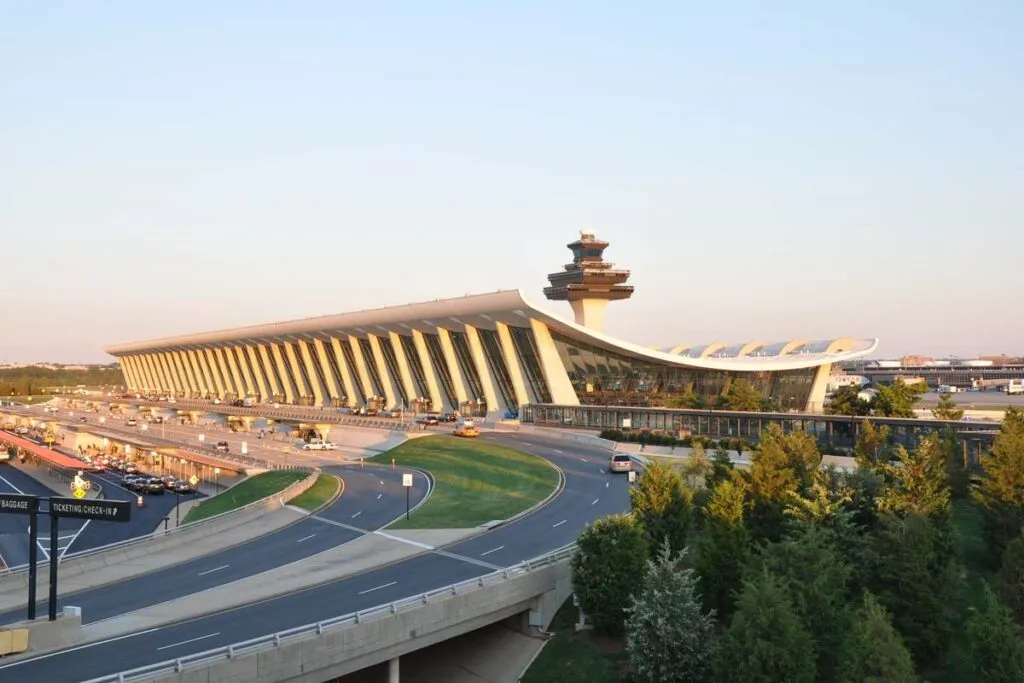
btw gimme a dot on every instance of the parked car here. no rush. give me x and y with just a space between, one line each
154 485
222 446
620 462
319 446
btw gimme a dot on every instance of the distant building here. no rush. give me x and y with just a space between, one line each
912 361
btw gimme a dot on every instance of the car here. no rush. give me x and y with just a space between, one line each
620 462
128 481
182 486
319 446
131 422
169 481
154 485
131 468
430 420
83 419
222 446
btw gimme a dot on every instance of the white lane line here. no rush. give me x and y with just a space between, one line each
492 550
74 537
558 524
557 451
306 538
16 489
81 647
381 481
379 496
595 501
606 484
399 539
215 569
357 514
370 590
192 640
583 460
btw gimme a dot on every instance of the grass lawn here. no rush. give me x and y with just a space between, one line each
30 400
325 488
474 482
249 491
572 657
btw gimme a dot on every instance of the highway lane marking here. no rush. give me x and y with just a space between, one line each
215 569
305 538
558 524
356 515
471 560
583 460
74 537
379 496
81 647
607 483
370 590
16 489
557 451
191 640
492 550
595 501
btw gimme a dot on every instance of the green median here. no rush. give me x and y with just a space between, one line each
474 482
323 490
249 491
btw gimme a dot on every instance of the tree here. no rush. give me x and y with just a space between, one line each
816 577
827 498
662 505
765 641
741 395
1001 493
917 480
897 399
872 651
946 409
1011 578
847 401
781 469
697 467
872 444
721 467
669 637
915 575
995 649
610 555
724 549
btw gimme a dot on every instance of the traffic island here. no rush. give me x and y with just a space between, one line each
474 483
245 492
324 491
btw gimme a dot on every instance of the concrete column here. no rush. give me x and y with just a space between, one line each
361 371
236 375
461 384
411 390
515 370
332 382
136 375
258 372
484 370
172 377
230 385
184 386
243 366
562 392
208 356
158 378
430 372
185 372
282 369
347 373
393 670
297 378
165 377
320 392
390 394
268 369
152 383
202 372
129 379
816 397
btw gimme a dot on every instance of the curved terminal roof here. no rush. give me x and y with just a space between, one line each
514 308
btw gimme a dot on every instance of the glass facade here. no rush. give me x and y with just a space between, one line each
465 358
391 360
371 367
353 369
602 377
496 361
529 358
412 358
437 359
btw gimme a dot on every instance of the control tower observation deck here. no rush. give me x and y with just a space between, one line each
589 282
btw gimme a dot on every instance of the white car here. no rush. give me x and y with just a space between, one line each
319 446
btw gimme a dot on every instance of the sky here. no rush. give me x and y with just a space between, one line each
766 170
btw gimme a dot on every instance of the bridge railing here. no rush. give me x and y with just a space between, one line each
272 640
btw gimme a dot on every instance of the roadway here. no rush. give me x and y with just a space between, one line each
14 545
590 492
374 496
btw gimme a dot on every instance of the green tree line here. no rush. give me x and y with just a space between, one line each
31 380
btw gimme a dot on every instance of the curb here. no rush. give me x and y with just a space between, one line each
339 491
537 506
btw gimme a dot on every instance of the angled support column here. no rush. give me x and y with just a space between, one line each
202 375
236 375
361 371
320 393
352 393
185 371
461 384
267 363
430 373
230 388
282 369
382 371
126 371
218 379
297 377
555 373
411 390
257 372
483 369
244 369
158 377
333 388
515 370
172 377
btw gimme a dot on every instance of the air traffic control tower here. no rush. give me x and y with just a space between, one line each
589 283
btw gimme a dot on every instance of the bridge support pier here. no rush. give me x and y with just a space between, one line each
393 670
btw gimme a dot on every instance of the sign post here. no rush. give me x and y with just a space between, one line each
99 510
407 483
18 504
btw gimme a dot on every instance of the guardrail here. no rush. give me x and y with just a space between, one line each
279 638
284 495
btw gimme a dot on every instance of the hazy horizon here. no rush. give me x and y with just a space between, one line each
792 171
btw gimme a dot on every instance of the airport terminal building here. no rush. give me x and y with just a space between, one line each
486 354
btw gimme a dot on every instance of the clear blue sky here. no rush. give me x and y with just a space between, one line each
768 170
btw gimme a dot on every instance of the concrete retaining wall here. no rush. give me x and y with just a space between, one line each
531 599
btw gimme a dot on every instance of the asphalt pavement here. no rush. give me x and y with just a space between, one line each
590 492
373 497
14 545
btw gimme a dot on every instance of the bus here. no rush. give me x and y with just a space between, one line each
1016 386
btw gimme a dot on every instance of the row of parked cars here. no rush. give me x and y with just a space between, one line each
134 479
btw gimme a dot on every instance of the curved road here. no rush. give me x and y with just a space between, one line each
590 492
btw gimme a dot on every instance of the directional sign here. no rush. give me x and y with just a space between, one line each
78 493
193 480
103 510
17 504
406 480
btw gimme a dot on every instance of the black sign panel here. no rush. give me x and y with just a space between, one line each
17 504
101 510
